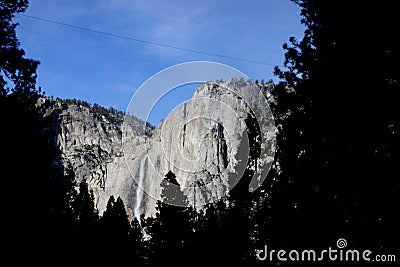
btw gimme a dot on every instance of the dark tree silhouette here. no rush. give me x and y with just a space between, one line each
24 151
86 235
85 209
137 249
171 230
115 229
339 138
18 74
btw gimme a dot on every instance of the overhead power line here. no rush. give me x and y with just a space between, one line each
145 41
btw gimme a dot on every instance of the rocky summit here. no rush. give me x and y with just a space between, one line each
204 142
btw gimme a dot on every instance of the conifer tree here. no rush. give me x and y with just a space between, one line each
171 230
335 106
85 207
25 151
116 230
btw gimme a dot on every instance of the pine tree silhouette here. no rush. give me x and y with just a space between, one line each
115 229
335 108
170 232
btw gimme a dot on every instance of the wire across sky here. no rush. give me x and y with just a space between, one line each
146 41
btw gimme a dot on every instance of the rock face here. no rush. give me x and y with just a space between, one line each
90 144
203 142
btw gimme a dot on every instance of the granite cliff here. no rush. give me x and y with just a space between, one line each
203 142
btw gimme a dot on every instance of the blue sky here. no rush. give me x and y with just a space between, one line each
107 70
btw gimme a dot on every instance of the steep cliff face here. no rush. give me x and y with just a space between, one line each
203 142
91 144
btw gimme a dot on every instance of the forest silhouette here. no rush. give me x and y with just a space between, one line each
334 175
